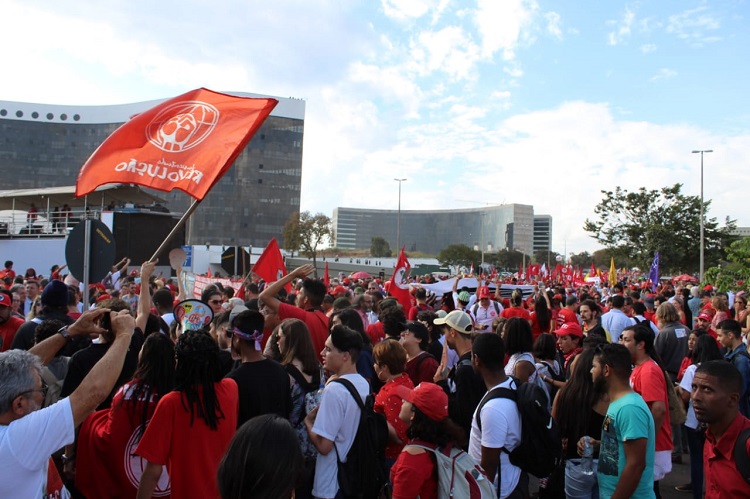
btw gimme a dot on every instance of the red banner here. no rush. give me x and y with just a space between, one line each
270 266
185 143
399 282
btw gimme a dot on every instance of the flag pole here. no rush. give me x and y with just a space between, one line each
180 223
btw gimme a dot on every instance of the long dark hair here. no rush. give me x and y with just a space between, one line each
264 460
705 349
543 314
351 319
518 337
441 433
154 376
576 398
198 368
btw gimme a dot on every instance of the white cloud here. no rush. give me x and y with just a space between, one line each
557 159
647 48
664 74
501 25
623 28
693 26
449 50
553 24
408 9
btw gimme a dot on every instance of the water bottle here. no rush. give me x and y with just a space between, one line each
587 460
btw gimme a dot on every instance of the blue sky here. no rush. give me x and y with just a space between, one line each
474 102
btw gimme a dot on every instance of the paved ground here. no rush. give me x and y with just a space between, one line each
680 475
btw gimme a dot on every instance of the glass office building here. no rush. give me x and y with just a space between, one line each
44 145
542 233
492 227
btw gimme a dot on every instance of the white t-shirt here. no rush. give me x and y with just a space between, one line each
686 384
26 446
501 427
337 420
485 316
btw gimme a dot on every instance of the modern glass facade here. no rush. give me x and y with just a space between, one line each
45 145
492 227
542 233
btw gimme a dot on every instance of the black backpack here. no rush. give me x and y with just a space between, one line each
540 450
364 474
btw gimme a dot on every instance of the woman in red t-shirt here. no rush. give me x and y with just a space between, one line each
108 435
390 360
425 410
541 318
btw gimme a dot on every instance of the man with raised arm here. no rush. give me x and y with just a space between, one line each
28 434
307 308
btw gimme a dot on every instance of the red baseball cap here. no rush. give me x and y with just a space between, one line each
570 329
5 300
484 292
428 398
705 316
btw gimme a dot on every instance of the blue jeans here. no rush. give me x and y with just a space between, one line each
578 485
695 444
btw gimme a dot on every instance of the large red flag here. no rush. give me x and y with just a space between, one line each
399 282
270 265
326 278
185 143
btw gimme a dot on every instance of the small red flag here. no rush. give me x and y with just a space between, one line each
399 288
185 143
326 279
270 265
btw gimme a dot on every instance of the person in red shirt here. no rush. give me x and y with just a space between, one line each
716 390
8 270
390 359
516 307
9 323
420 365
425 410
568 312
648 380
192 425
420 295
307 305
108 435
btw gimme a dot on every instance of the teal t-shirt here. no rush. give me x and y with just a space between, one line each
628 418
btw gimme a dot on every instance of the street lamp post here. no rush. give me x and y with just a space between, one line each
702 217
398 218
481 222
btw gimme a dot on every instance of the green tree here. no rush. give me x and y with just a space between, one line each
544 256
306 233
380 248
582 259
459 254
734 273
509 260
635 225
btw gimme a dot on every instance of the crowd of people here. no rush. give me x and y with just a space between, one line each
146 391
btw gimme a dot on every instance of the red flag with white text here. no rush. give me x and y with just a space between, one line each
270 265
186 143
400 281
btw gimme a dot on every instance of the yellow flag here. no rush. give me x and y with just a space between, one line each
612 272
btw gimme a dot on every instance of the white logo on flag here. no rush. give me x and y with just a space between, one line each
182 126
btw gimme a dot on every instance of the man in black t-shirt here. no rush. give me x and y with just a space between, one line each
84 360
264 385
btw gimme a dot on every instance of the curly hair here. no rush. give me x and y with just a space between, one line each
198 369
